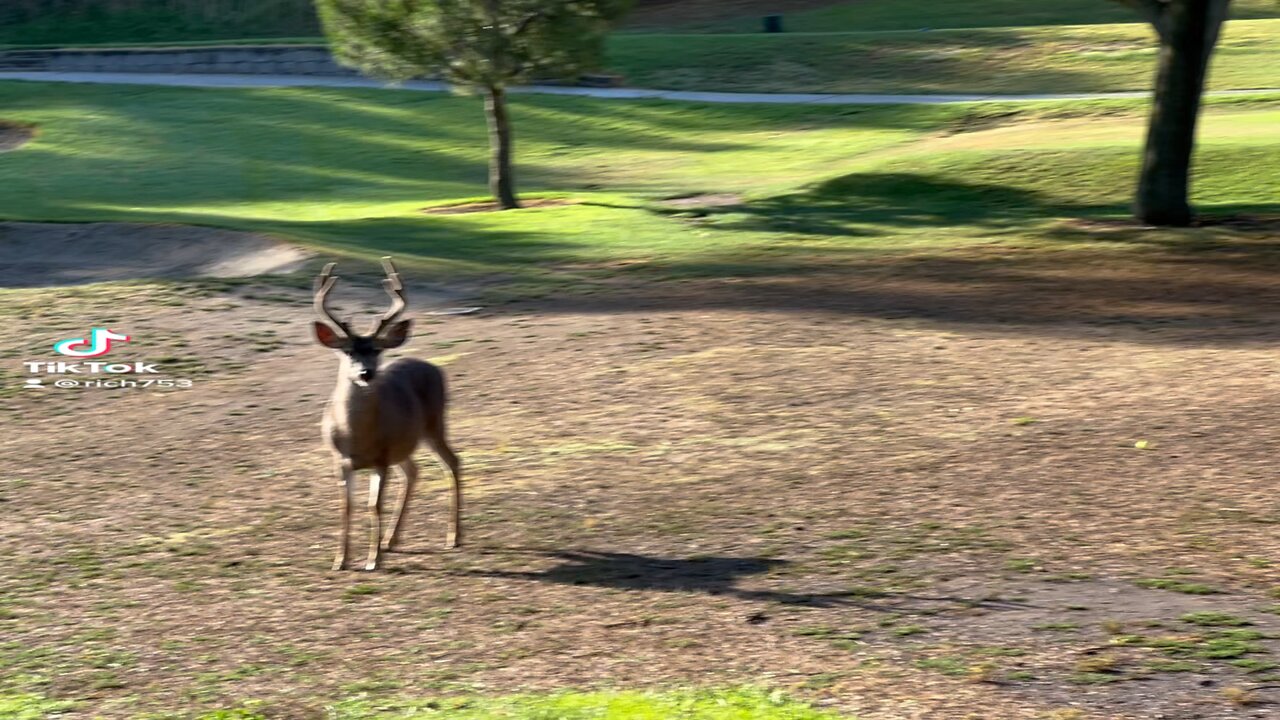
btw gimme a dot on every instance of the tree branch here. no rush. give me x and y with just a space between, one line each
528 22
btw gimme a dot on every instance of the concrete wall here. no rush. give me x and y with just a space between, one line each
230 59
250 60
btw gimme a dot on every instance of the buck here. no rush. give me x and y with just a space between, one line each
376 416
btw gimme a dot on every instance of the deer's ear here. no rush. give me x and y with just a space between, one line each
326 336
395 336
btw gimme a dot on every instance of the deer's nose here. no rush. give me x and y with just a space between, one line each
366 374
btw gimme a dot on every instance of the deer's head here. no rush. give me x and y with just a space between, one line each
360 353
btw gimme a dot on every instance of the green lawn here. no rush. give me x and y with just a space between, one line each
267 19
1009 60
1006 60
913 15
350 169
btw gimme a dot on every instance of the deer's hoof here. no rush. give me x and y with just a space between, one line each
339 564
371 566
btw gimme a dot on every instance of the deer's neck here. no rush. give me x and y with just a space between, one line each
354 406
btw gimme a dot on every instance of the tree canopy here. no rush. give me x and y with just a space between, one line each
477 43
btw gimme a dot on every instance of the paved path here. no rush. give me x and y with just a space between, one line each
257 81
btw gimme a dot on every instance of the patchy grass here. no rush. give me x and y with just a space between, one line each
30 706
1215 619
1189 588
636 487
746 704
1213 645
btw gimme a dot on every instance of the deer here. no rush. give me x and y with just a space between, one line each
377 416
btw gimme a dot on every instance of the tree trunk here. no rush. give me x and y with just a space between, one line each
502 183
1188 30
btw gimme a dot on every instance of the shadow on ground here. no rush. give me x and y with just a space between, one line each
716 575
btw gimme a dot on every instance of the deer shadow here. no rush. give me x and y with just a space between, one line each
718 576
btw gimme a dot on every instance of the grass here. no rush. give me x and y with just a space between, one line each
995 46
1213 618
273 19
1004 60
348 170
30 706
740 704
888 15
1188 588
74 22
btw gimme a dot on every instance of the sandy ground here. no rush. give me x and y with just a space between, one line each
45 254
979 485
13 136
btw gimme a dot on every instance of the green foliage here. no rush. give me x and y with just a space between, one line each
482 43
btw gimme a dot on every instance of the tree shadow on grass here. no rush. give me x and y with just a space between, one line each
851 204
715 575
1049 265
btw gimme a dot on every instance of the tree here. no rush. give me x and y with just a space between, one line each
481 45
1188 30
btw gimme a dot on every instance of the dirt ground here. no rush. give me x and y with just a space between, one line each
48 254
14 136
983 484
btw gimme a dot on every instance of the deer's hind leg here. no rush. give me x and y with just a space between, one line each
449 461
410 470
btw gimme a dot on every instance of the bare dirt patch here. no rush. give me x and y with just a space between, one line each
490 206
1267 225
42 254
14 135
978 484
705 200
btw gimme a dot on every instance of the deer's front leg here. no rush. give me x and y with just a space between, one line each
376 485
345 473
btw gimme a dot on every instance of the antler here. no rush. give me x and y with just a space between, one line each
325 283
396 290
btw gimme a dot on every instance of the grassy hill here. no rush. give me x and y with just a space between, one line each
1046 59
887 15
351 169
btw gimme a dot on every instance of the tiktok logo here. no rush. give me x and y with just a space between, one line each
98 343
